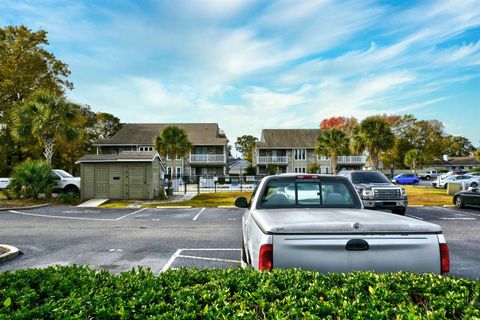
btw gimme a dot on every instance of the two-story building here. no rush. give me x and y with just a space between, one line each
293 150
207 158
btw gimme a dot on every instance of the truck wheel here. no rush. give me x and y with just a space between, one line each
474 185
459 202
399 211
71 189
427 178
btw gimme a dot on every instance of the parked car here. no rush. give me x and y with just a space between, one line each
468 180
429 175
66 182
467 198
330 231
406 178
377 192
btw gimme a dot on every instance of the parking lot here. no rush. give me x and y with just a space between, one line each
121 239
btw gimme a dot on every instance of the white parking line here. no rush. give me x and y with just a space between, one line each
130 214
170 261
198 214
208 259
459 211
178 254
58 217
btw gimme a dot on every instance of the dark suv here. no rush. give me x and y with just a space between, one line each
377 192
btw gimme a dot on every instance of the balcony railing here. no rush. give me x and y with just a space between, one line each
207 158
272 160
352 159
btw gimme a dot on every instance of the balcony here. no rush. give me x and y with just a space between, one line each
272 160
207 158
351 159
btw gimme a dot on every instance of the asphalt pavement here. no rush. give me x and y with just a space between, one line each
121 239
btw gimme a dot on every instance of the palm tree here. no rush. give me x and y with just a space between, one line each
173 141
48 118
332 143
373 135
412 158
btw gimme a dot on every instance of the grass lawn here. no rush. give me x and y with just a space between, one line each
19 203
206 200
428 196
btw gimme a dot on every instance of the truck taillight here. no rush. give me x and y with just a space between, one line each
444 259
265 258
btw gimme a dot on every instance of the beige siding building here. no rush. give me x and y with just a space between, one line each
208 156
293 150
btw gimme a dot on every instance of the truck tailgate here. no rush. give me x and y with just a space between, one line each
381 253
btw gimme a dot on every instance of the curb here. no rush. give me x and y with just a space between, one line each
226 207
23 208
416 205
10 254
449 206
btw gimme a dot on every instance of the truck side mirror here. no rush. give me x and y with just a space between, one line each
241 202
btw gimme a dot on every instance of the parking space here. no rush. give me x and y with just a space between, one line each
121 239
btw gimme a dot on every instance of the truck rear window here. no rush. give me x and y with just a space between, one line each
308 193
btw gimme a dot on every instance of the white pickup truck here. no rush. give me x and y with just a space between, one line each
323 226
66 182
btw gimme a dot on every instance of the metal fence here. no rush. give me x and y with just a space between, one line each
211 184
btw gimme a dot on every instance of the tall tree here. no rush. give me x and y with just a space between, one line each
374 135
106 125
458 146
245 145
25 66
332 143
48 118
343 123
173 142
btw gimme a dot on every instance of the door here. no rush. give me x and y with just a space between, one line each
136 181
101 182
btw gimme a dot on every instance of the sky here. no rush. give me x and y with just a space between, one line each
249 64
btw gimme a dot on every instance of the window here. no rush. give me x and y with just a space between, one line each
369 177
145 148
323 158
300 154
300 170
169 171
177 158
179 172
308 193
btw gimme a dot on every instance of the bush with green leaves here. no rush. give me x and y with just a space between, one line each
69 197
30 178
83 293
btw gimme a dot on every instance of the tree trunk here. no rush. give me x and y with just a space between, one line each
334 163
374 160
49 143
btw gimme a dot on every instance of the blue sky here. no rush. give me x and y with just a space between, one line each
250 64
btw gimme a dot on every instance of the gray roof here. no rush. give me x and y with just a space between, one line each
140 156
238 163
471 160
144 133
288 138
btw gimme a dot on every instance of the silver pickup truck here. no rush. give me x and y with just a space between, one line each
317 222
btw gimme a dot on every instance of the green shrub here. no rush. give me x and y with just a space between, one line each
313 168
30 178
83 293
251 170
69 198
475 170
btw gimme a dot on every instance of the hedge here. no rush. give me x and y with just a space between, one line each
78 292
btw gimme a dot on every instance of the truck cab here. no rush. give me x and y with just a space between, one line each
377 191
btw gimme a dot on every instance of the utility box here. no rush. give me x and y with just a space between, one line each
128 175
453 188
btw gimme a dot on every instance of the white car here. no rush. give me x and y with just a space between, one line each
66 182
468 180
